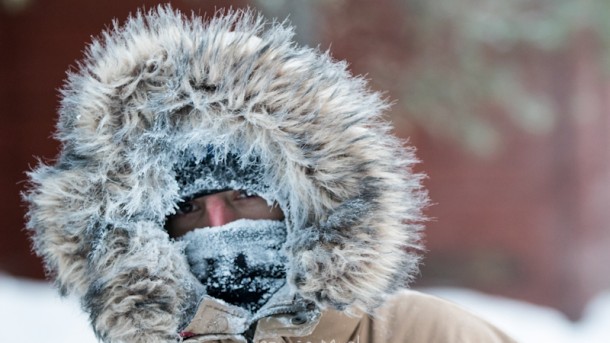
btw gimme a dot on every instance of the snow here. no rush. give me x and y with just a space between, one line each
531 323
31 311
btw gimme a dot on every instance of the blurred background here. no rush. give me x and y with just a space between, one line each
507 102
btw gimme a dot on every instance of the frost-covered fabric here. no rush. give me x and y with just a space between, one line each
164 86
199 176
240 262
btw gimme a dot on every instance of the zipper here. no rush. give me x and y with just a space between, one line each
299 306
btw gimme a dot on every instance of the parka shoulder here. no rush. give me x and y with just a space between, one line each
412 316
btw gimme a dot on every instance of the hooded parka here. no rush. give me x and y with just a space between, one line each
163 92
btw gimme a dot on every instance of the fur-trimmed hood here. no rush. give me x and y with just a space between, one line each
164 86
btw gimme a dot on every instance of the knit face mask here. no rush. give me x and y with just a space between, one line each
240 262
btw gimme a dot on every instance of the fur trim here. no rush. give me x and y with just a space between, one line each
162 86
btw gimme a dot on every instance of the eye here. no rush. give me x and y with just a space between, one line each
245 194
186 207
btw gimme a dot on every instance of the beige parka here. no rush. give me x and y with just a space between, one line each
164 86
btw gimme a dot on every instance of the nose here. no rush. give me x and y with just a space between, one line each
219 210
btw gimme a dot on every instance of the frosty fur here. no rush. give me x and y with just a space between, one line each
163 86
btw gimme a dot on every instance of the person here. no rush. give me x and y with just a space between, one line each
219 183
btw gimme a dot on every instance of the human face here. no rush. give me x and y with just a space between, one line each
219 209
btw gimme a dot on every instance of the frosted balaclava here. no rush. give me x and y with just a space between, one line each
246 265
240 262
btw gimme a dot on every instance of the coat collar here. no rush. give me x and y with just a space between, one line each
284 315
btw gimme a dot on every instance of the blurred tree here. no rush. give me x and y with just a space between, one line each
470 57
